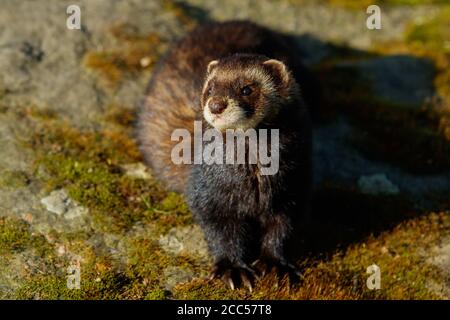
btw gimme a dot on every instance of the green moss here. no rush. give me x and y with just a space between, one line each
87 165
146 261
97 281
42 248
433 31
99 189
146 258
145 264
404 271
199 289
46 287
157 294
14 235
13 179
171 212
100 277
430 39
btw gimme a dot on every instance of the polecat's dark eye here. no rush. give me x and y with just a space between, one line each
209 91
246 91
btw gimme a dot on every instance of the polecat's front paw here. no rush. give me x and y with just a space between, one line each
233 275
263 266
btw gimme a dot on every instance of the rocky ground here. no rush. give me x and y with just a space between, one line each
74 192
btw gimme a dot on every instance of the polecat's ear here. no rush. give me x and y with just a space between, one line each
211 65
278 70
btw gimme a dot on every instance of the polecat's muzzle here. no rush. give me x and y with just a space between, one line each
217 106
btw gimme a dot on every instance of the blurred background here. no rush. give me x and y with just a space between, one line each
82 218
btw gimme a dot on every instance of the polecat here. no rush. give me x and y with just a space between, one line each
234 75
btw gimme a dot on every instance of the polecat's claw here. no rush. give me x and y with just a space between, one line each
227 278
246 281
233 275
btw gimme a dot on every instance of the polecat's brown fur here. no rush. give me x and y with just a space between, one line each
245 216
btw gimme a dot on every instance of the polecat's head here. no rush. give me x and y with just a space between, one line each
241 91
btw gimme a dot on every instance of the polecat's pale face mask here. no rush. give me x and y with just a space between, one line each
238 98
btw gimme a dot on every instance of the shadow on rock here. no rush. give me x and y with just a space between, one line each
379 157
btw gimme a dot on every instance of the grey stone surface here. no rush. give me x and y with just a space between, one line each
177 275
335 160
188 240
41 65
40 59
403 80
441 259
318 19
137 171
59 202
377 184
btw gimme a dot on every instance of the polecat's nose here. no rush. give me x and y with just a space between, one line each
217 107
